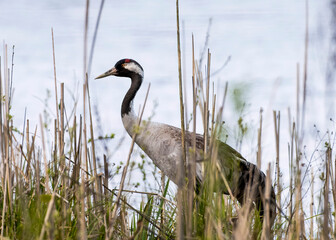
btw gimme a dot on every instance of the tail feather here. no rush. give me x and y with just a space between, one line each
252 185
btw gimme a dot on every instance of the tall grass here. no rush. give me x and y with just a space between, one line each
58 190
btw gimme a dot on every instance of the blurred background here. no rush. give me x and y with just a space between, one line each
259 42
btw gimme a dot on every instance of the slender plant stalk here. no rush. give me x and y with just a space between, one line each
206 107
55 79
259 140
305 73
325 226
312 206
181 166
44 158
4 206
62 157
82 222
298 110
276 119
193 157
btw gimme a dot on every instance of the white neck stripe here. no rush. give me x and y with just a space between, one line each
133 67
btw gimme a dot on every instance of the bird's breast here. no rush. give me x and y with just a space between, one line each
156 140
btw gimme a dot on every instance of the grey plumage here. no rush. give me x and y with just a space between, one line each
162 143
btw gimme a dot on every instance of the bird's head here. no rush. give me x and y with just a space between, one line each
124 68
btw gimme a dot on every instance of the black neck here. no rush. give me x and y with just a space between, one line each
126 106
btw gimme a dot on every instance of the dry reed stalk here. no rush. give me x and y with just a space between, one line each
73 179
10 167
29 156
305 73
207 228
86 70
61 129
106 196
45 158
106 176
290 160
86 30
82 189
86 180
79 150
190 168
93 149
61 144
19 165
213 112
79 181
206 107
57 120
55 79
199 80
123 219
6 108
11 78
276 119
312 205
6 138
289 231
326 209
259 139
214 150
299 221
184 73
297 95
242 230
86 25
85 159
100 191
37 176
193 156
218 227
226 183
16 176
299 230
123 177
4 205
56 168
163 209
4 135
181 196
27 145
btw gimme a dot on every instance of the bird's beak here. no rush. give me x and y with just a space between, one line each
112 71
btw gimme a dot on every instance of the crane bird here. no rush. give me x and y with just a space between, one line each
162 143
